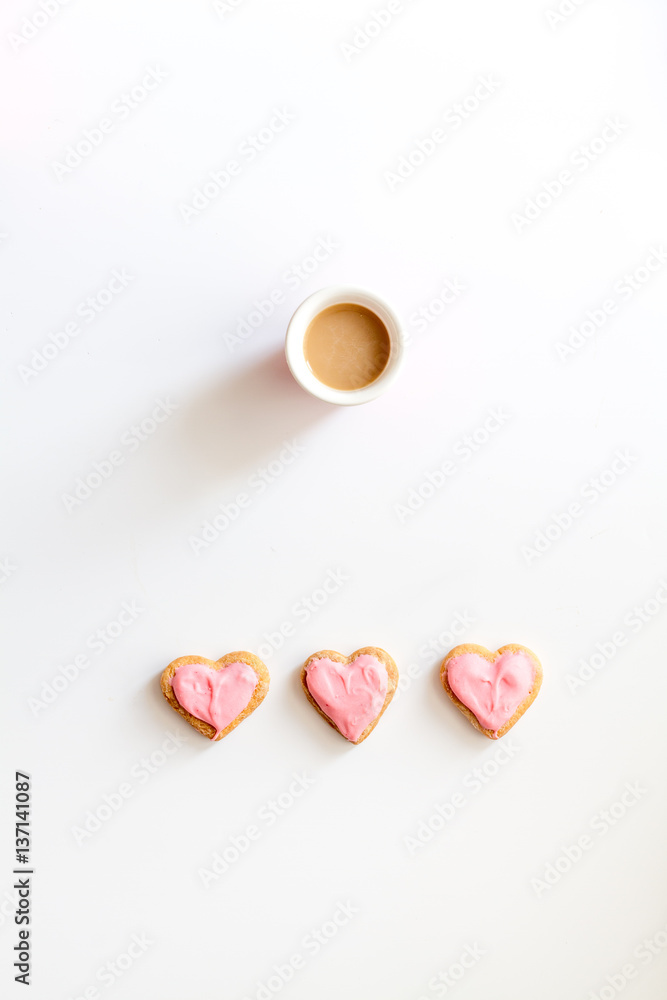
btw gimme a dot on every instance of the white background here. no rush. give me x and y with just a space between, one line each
339 506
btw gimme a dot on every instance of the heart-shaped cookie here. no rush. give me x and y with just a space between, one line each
350 692
215 695
493 690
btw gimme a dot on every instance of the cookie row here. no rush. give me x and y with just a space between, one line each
351 693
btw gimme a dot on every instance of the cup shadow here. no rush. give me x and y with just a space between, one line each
236 423
234 426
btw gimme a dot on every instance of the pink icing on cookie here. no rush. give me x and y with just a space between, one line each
351 694
214 696
492 690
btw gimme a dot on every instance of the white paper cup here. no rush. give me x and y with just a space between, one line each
306 313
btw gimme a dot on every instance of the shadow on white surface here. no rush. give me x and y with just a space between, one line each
239 423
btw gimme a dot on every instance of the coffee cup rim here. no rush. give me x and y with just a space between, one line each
304 315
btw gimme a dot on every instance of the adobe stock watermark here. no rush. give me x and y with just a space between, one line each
32 24
112 802
224 7
217 181
605 650
600 824
86 312
10 899
458 626
366 32
623 291
311 944
464 449
117 967
302 611
245 326
130 441
92 138
583 157
420 320
7 569
450 121
97 642
562 12
645 952
592 490
444 981
472 784
257 484
238 845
